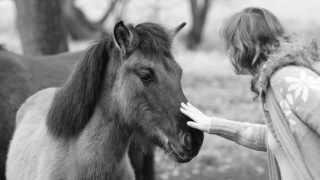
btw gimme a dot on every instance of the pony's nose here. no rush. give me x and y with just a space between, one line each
187 141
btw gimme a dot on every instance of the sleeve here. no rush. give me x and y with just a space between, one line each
249 135
298 91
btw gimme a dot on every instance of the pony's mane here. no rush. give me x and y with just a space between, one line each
75 102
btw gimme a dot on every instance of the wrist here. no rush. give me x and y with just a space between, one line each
222 127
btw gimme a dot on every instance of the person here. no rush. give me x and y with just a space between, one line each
288 85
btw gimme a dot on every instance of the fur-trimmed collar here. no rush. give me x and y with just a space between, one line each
291 52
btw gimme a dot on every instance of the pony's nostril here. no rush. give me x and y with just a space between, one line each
187 141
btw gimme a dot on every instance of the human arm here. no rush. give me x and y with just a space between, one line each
250 135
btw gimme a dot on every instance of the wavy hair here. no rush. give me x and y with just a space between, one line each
250 35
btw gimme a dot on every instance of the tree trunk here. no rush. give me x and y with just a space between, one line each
40 25
199 11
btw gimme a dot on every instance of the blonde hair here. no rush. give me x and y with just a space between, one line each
250 35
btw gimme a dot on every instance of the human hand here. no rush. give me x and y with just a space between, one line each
201 121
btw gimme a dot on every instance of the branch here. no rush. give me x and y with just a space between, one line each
108 12
204 11
194 10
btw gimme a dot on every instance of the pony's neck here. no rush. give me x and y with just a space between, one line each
107 139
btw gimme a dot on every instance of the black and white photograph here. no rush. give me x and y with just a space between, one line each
159 90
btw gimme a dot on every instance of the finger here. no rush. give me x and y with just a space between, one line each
193 125
190 105
185 111
191 115
194 108
197 126
184 105
186 108
197 114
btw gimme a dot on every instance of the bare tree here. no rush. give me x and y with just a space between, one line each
79 26
199 11
36 19
41 28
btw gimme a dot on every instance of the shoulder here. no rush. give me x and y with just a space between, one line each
299 86
292 75
298 91
44 94
38 102
296 85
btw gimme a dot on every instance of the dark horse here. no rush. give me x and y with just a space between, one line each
122 89
21 76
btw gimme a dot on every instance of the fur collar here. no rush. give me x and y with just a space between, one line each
291 52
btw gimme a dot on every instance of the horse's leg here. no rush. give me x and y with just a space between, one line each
142 159
148 164
6 131
3 156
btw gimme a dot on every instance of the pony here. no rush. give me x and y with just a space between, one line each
21 76
125 86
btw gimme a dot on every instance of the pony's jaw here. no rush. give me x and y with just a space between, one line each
174 149
178 153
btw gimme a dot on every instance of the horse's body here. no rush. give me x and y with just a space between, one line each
21 76
120 88
65 160
55 153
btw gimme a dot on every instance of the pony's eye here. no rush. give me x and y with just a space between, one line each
146 75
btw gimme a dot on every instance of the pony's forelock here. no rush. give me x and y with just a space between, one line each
153 39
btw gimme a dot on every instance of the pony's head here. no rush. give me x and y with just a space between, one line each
250 35
137 82
148 92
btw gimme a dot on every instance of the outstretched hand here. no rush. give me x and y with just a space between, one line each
201 121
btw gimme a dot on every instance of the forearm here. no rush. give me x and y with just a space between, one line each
246 134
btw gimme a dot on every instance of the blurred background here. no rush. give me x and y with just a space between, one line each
208 80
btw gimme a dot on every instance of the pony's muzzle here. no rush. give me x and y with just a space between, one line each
179 153
184 149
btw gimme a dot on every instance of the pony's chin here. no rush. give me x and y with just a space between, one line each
180 156
173 150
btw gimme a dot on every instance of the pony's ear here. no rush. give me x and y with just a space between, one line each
123 37
175 31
